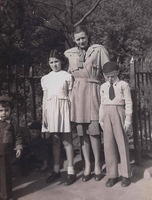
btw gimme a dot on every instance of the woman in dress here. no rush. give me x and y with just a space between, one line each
85 64
56 87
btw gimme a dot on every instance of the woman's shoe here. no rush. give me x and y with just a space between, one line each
98 177
86 178
54 176
111 182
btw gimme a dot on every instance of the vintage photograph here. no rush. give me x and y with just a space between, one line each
75 99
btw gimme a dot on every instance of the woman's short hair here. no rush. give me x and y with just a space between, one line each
80 28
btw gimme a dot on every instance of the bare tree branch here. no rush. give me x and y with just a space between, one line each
69 8
63 24
79 2
87 14
51 6
69 43
47 24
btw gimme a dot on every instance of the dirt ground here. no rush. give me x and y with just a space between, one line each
34 187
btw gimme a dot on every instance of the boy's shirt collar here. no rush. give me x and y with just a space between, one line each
115 82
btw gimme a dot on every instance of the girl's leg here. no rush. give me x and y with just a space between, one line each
96 147
85 143
56 150
67 142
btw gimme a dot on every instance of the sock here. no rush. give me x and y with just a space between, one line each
71 170
56 168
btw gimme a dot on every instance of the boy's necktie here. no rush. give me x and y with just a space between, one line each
111 92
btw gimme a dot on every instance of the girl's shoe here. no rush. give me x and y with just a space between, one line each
98 177
54 176
86 178
71 178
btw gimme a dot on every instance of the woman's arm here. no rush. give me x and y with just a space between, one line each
101 113
70 86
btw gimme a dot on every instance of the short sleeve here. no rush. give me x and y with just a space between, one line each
43 83
69 80
104 55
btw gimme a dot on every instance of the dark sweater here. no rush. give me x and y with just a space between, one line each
9 137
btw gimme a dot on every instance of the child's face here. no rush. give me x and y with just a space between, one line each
4 112
35 133
111 77
55 64
81 39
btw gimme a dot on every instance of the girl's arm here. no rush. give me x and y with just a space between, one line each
70 85
44 107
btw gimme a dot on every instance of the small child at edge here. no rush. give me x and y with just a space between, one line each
7 139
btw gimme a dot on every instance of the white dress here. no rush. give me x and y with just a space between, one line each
56 103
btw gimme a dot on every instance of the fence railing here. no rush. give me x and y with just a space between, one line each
24 85
141 84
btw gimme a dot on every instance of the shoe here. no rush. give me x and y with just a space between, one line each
98 177
125 182
86 178
71 178
111 182
54 176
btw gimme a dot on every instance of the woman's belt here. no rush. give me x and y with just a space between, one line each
88 80
58 97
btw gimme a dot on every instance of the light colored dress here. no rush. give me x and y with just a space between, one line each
56 103
86 68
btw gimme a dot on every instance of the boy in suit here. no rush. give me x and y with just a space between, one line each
115 118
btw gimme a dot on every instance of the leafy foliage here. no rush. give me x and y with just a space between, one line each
30 28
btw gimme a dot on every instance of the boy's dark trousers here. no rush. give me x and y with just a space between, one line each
5 172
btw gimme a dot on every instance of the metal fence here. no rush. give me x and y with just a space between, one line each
24 85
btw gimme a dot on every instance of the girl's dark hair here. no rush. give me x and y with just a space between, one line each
6 101
54 53
6 104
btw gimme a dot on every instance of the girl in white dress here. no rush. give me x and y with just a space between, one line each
56 87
